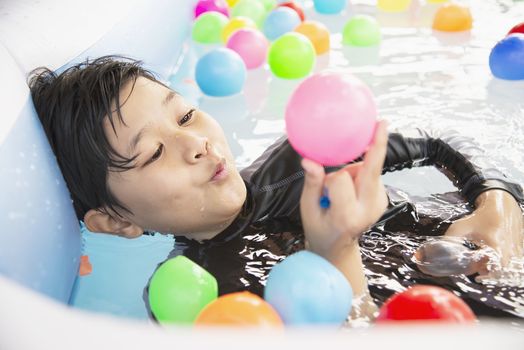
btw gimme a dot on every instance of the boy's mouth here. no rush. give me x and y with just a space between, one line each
220 171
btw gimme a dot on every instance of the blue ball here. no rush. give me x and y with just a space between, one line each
307 289
506 60
220 72
329 7
280 21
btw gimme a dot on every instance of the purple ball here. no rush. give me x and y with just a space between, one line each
211 5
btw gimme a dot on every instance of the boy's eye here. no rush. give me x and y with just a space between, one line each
187 117
157 154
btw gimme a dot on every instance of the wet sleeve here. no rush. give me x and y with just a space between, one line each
458 157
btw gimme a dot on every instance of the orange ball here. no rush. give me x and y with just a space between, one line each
452 18
317 33
239 309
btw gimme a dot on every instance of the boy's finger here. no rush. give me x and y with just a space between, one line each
341 191
375 156
353 169
313 187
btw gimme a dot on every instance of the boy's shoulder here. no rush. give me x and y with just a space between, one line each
279 163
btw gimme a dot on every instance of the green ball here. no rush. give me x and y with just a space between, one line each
207 28
253 9
361 30
179 290
292 56
269 4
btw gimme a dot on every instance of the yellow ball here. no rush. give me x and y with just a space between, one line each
232 3
235 24
452 18
393 5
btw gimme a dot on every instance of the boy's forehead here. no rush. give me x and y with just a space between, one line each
138 99
141 87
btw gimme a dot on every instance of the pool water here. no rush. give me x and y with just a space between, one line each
422 78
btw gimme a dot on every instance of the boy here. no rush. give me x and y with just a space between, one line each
137 158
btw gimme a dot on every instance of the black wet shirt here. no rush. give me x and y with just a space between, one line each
269 226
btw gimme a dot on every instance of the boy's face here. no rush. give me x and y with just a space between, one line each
185 180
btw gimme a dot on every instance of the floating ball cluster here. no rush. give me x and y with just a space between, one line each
303 289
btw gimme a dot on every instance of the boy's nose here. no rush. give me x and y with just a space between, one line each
195 147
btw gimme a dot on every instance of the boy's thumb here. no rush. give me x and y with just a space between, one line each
313 182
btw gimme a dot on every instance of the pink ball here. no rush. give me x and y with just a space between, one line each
211 5
331 118
251 45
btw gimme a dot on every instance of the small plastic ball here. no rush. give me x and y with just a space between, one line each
253 9
220 72
292 56
393 5
519 28
331 118
329 7
317 33
506 59
231 3
452 18
425 303
305 289
208 27
235 24
280 21
179 290
268 4
239 309
361 30
204 6
295 7
251 45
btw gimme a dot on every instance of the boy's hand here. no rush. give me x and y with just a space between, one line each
357 200
497 222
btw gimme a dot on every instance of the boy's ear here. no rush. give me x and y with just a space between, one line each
99 221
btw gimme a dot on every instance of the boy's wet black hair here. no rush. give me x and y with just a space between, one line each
72 107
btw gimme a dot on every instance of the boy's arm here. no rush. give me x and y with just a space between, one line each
458 157
497 218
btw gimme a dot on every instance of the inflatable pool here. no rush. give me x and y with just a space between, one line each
419 77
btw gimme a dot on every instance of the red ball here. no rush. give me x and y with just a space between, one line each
519 28
425 303
296 7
